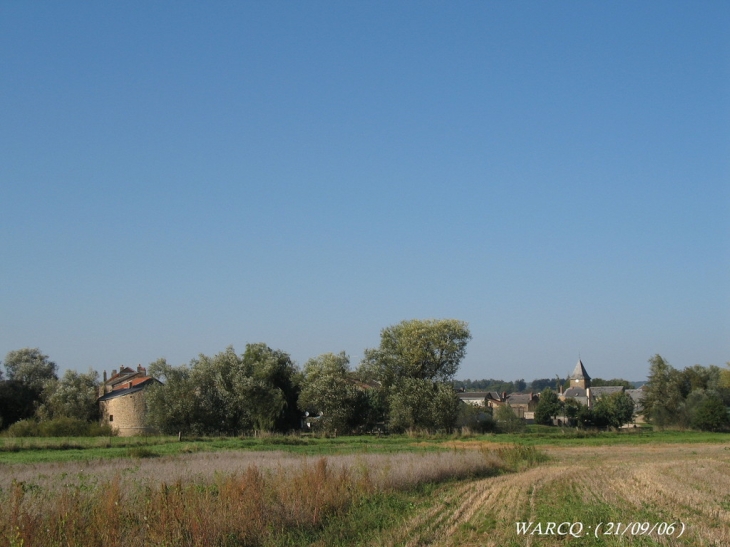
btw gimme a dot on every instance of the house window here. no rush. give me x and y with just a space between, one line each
111 418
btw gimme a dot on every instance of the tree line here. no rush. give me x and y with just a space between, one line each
406 382
696 397
31 389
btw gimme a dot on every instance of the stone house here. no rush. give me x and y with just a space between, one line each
122 401
523 404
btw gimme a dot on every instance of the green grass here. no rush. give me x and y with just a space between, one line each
362 523
35 449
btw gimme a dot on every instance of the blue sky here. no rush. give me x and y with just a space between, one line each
179 177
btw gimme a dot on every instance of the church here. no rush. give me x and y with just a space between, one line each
580 388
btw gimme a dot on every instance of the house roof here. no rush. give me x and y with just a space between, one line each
139 386
600 391
131 383
124 371
579 372
636 394
574 392
520 398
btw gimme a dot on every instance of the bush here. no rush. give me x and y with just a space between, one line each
711 415
23 428
508 421
59 427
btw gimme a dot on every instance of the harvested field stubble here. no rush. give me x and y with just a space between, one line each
685 484
204 499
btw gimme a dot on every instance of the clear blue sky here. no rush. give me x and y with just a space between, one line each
177 177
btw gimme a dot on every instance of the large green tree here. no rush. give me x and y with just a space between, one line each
414 364
226 393
429 349
548 407
17 402
613 410
710 414
73 396
416 403
329 389
172 404
31 367
663 400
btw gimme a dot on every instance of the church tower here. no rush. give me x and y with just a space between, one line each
580 377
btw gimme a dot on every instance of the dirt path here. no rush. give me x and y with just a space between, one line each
689 484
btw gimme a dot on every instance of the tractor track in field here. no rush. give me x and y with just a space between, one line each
687 483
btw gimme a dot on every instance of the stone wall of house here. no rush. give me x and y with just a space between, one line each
126 414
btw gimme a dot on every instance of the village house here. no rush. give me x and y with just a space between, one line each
122 402
523 404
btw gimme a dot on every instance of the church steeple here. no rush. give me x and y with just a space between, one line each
580 377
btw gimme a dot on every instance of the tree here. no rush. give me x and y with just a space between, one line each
507 420
417 403
172 406
17 402
663 398
275 372
613 410
73 396
413 363
598 382
329 389
571 410
724 380
540 384
226 393
31 367
548 407
711 415
421 349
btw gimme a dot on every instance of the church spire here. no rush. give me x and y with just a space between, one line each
580 377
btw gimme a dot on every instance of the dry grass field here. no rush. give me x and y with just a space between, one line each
688 484
232 498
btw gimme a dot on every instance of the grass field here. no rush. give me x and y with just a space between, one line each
36 450
405 490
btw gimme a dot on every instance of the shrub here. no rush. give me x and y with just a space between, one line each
59 427
711 415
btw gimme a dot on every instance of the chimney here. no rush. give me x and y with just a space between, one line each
139 368
114 372
504 395
105 376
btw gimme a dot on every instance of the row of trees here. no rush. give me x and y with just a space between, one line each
537 385
403 383
696 397
612 410
32 388
406 382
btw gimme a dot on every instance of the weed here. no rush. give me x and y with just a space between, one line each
141 452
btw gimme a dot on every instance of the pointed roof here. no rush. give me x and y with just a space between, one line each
579 372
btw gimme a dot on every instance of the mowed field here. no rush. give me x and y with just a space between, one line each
684 484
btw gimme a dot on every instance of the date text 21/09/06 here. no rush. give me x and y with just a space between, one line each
578 529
